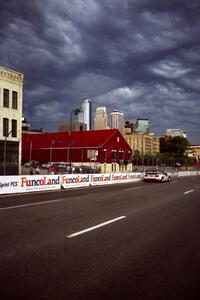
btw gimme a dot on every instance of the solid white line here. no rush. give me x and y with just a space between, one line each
190 191
30 204
135 188
94 227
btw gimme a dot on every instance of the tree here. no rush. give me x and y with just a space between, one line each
136 157
176 146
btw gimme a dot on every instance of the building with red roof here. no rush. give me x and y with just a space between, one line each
103 147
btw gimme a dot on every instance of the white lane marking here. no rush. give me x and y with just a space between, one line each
190 191
135 188
30 204
95 227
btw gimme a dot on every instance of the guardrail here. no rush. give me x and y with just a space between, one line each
36 183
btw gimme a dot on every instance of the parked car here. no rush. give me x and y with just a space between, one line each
157 176
46 165
33 164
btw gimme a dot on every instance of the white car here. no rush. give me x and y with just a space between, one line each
157 176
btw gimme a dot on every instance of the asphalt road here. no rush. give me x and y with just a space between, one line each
130 241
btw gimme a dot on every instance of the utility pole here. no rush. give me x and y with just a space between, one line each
5 140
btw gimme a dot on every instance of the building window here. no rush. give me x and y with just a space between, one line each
121 154
5 98
104 154
14 100
14 128
112 154
5 127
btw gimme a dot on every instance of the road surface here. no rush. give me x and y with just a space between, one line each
129 241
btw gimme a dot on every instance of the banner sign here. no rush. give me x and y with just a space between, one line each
35 183
132 177
75 180
39 183
119 177
30 183
9 184
99 179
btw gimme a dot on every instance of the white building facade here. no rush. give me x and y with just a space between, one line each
175 132
117 120
11 95
100 120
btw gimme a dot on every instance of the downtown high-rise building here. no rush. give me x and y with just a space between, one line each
142 125
117 120
175 132
85 116
100 120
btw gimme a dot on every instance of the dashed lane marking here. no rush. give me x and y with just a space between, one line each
94 227
190 191
30 204
135 188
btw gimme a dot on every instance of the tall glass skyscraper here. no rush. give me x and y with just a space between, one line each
85 116
142 125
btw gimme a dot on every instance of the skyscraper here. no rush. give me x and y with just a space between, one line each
85 116
100 120
117 120
142 125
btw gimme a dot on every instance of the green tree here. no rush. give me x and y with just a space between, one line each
136 157
176 146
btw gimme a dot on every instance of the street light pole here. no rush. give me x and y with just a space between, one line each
30 153
105 159
51 148
70 123
75 111
4 166
68 155
31 149
123 157
115 160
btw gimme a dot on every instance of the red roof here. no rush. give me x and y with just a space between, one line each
88 139
59 146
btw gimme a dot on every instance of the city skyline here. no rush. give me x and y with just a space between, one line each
140 57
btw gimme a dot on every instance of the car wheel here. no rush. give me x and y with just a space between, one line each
162 179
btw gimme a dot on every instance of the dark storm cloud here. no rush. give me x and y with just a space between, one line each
138 56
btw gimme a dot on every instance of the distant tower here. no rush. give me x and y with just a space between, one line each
85 116
142 125
117 120
100 120
175 132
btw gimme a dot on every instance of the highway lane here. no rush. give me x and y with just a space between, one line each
152 253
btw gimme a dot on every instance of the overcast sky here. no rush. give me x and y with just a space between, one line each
141 57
